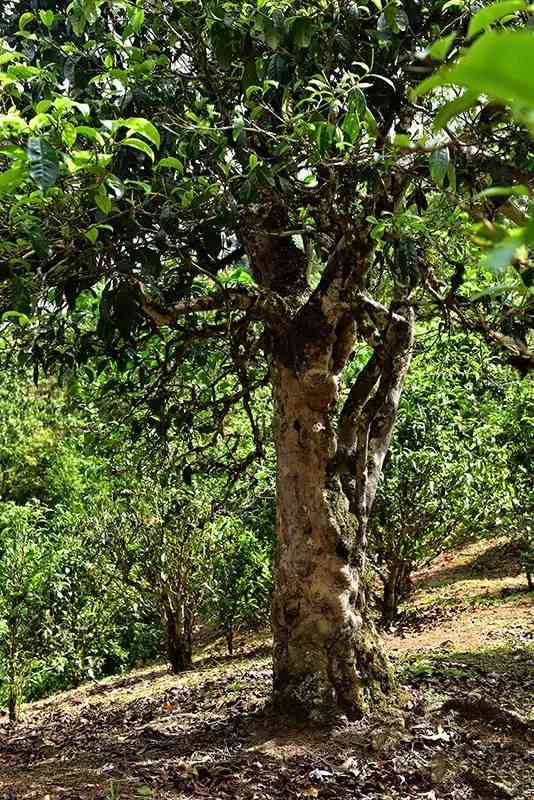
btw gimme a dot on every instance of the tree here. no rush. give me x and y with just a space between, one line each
61 618
239 583
157 535
22 571
282 220
449 476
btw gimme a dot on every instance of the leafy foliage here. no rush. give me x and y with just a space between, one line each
450 476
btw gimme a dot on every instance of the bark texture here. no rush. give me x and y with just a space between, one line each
327 657
179 626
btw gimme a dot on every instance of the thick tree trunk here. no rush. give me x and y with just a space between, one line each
179 639
327 656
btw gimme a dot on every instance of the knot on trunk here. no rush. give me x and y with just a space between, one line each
320 388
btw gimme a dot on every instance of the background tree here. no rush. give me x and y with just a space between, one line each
107 556
60 621
157 535
450 475
239 587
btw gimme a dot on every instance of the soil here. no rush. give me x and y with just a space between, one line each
466 636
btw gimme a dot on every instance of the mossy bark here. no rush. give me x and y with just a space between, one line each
327 657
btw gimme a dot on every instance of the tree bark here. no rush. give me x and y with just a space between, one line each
179 639
397 586
327 656
390 599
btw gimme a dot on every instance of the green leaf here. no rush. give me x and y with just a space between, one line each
351 126
370 123
302 32
20 318
43 106
324 136
69 134
440 49
47 18
499 259
499 64
402 140
271 35
439 165
240 276
393 19
22 72
136 20
487 16
138 144
171 163
11 178
5 58
13 151
25 19
90 133
43 161
103 202
144 127
503 191
77 18
452 109
357 103
91 234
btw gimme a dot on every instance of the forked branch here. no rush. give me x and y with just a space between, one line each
367 418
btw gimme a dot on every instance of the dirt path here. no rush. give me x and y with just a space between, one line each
206 734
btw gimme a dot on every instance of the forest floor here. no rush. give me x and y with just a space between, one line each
464 649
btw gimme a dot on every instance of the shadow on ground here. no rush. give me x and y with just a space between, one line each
500 560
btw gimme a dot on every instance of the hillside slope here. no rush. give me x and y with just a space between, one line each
465 653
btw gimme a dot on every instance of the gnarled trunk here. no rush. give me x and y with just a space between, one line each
327 656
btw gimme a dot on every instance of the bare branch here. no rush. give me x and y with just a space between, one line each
519 354
372 315
361 391
259 304
385 403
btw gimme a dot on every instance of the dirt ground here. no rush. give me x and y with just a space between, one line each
464 649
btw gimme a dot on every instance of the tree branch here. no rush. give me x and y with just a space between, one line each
259 304
518 352
367 418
